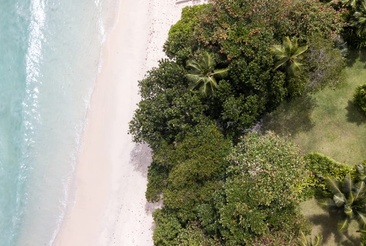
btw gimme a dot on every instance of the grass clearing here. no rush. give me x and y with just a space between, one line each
327 121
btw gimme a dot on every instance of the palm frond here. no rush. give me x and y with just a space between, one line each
361 175
220 73
310 242
194 66
350 199
359 190
281 62
326 203
300 50
361 218
209 61
212 82
193 77
332 185
348 211
197 85
339 199
277 49
294 67
287 43
343 224
347 184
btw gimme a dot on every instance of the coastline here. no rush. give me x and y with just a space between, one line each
107 204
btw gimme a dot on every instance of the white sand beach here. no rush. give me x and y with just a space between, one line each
108 205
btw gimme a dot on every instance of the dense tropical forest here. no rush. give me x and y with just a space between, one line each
234 70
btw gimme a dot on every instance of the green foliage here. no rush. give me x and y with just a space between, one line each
311 17
157 176
198 166
255 200
167 228
354 13
316 241
288 55
181 42
193 235
239 113
259 194
363 237
202 73
323 62
167 109
195 168
321 166
348 198
358 20
359 98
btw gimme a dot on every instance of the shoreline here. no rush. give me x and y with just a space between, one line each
107 204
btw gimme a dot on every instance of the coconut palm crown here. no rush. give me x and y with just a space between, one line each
288 55
349 198
202 73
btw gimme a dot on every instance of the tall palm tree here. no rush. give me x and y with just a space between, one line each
202 73
288 55
349 198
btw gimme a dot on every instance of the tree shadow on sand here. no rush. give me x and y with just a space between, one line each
141 158
329 230
354 115
192 1
291 117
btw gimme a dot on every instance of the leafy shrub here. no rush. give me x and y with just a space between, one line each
324 63
260 204
359 98
320 166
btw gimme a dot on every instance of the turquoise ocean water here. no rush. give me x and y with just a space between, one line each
49 59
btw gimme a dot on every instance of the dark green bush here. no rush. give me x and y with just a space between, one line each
167 228
359 98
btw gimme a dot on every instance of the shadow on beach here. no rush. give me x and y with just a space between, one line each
192 1
141 158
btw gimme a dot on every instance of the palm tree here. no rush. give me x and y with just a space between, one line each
202 73
288 55
349 198
358 19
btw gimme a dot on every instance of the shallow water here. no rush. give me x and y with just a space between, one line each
49 59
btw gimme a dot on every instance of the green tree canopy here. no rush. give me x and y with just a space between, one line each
260 199
167 109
